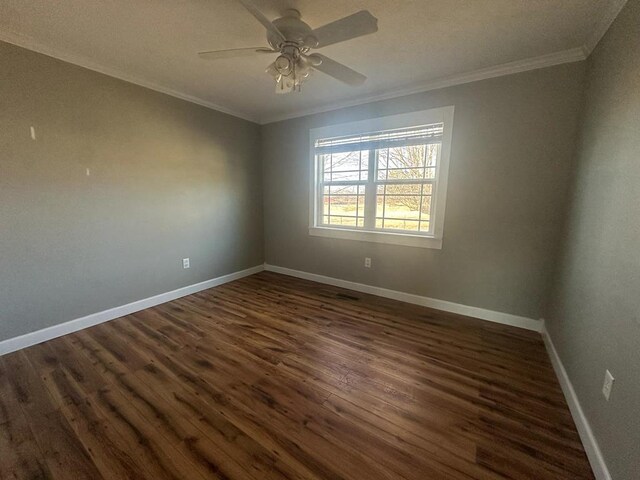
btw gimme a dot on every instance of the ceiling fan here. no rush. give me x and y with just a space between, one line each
292 39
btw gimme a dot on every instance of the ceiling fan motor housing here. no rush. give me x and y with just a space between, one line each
294 30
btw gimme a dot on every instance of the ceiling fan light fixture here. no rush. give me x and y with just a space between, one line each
284 65
292 39
314 59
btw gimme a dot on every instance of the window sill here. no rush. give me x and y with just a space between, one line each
420 241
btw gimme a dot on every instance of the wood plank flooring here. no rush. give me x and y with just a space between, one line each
271 377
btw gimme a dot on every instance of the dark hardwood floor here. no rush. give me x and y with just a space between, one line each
272 377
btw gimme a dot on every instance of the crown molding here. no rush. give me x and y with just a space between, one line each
610 13
30 44
534 63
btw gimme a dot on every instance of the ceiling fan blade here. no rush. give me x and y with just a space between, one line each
233 52
253 10
336 70
356 25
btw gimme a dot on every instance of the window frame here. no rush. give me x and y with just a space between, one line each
433 239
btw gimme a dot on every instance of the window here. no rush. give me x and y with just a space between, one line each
382 180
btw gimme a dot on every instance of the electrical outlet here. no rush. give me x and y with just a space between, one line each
367 262
608 384
185 263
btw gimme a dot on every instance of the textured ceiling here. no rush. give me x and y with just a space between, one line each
155 42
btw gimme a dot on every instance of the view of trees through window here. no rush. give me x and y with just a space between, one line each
398 180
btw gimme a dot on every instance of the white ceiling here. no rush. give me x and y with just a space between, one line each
154 43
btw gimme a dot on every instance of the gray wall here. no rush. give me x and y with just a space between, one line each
169 179
513 141
595 316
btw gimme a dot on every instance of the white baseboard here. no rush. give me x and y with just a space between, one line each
481 313
39 336
589 442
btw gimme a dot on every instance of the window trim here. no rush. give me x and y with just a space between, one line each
433 240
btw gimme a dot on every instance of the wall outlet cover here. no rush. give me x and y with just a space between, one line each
608 384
